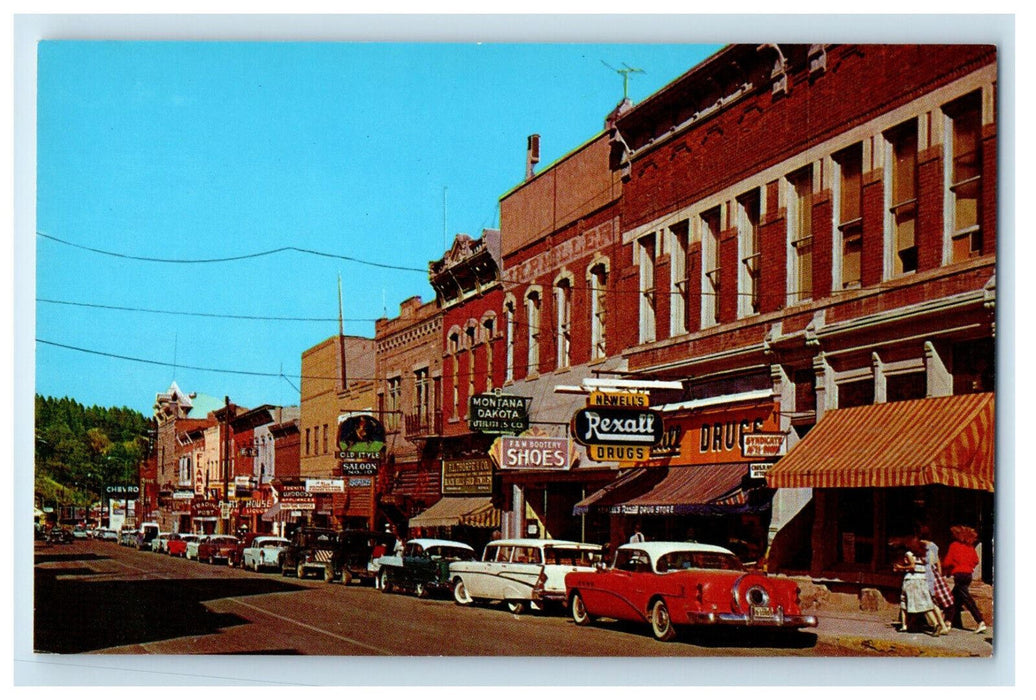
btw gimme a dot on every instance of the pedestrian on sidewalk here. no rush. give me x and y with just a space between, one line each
914 597
940 592
637 536
960 562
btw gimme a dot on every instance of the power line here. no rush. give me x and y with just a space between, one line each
202 313
234 258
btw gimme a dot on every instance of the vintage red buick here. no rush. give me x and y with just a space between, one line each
671 584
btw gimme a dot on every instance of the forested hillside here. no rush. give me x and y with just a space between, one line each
80 450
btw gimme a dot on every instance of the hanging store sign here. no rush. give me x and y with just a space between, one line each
593 426
618 399
183 495
122 491
256 506
358 483
362 467
360 435
524 452
756 445
498 413
325 485
204 509
757 470
467 476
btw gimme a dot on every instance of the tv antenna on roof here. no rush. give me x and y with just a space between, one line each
625 73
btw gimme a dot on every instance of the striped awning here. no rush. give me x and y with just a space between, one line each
474 511
947 440
681 490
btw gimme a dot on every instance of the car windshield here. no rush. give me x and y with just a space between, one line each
570 556
699 560
222 540
317 539
273 543
450 553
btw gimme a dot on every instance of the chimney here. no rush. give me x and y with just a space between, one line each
532 156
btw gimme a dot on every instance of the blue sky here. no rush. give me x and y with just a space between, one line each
196 151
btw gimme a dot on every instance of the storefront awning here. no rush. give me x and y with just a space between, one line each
684 490
474 511
278 514
947 440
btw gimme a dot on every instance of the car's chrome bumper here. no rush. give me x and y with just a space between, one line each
779 619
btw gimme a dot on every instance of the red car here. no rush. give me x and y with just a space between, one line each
670 584
217 547
178 547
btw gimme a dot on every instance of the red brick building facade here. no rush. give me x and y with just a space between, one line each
814 228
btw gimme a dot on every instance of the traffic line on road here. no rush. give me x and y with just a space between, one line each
293 621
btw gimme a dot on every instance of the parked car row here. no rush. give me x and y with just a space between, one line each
664 585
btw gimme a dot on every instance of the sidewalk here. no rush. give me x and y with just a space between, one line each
861 632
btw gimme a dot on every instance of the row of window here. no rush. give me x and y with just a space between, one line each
897 148
962 178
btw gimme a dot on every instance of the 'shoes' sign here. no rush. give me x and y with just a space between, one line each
532 453
498 413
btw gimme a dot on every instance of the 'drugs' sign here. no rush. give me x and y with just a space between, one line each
723 434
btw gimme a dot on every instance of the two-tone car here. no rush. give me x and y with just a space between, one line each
216 548
522 572
673 584
191 550
159 543
423 567
264 552
178 547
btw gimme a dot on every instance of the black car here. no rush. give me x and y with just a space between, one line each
357 553
59 535
424 567
311 549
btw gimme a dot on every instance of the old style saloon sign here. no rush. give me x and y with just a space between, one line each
361 438
617 434
498 413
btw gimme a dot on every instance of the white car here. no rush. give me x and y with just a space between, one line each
522 572
160 543
263 552
192 547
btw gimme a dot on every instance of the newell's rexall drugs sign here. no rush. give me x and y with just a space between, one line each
616 426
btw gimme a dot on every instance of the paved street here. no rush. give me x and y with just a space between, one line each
98 597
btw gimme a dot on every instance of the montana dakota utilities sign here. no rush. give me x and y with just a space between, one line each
498 413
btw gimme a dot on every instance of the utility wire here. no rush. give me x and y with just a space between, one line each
233 258
201 313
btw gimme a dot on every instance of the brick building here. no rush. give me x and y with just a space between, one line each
408 370
562 249
807 229
337 382
471 351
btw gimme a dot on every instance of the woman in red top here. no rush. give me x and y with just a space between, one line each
960 562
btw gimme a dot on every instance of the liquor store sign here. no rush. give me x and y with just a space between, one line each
498 413
467 476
